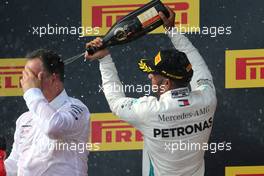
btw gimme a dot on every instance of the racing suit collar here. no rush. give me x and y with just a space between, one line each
57 102
176 93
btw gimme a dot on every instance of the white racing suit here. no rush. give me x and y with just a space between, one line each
179 117
49 139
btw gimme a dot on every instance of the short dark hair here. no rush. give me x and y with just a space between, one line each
185 81
179 84
52 62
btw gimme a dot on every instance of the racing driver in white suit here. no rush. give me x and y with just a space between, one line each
178 116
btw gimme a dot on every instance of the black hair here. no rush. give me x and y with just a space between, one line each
185 81
179 84
52 62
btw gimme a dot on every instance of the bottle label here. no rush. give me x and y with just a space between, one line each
148 17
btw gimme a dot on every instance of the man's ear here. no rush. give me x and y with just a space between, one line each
167 82
166 85
40 76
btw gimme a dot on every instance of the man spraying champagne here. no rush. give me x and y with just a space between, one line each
173 71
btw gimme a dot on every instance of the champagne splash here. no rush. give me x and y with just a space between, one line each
74 58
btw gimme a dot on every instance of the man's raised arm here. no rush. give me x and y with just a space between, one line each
201 76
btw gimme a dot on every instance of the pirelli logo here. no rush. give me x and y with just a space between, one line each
113 134
10 75
245 68
103 14
245 171
253 65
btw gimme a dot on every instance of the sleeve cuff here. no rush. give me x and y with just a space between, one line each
32 95
106 59
173 33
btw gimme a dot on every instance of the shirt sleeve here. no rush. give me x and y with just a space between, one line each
128 109
11 161
202 77
64 123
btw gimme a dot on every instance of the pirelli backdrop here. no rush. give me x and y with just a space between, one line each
228 34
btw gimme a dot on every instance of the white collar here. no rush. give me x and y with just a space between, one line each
58 101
